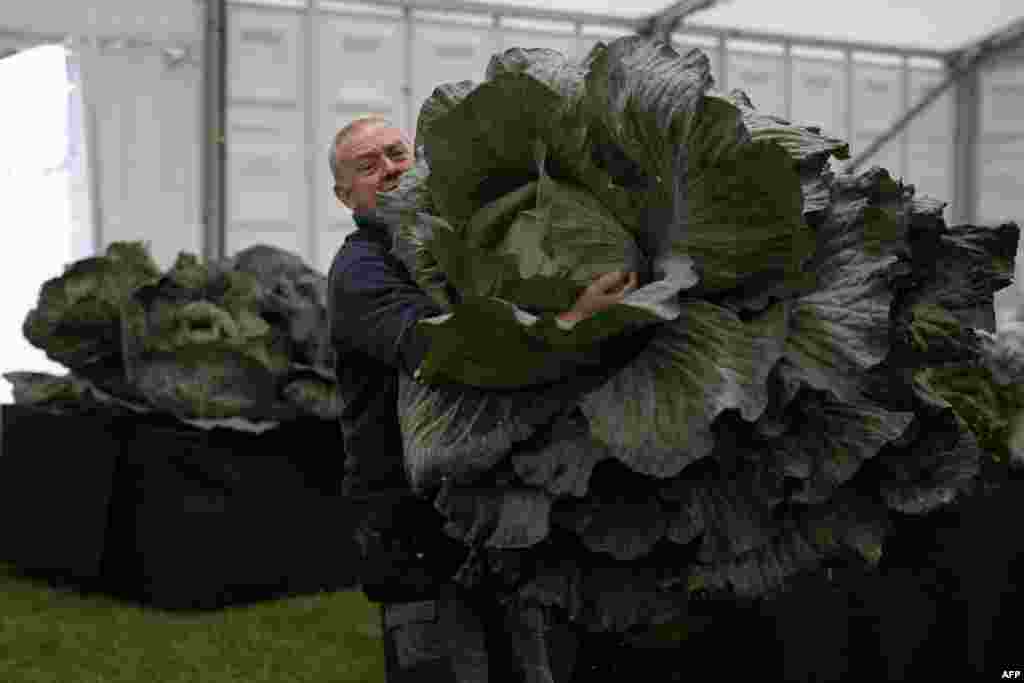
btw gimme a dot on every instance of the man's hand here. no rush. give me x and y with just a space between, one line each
607 290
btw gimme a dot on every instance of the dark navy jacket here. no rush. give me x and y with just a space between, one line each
373 305
373 308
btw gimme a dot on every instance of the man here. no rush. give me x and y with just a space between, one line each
433 630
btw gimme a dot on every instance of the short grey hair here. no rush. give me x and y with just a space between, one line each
344 133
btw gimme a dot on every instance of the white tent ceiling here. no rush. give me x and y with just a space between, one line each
927 24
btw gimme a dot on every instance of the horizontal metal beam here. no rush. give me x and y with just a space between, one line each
102 40
31 36
469 7
798 40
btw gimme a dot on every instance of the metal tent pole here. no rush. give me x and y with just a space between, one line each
310 99
85 55
965 149
214 118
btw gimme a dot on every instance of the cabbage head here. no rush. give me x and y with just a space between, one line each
196 346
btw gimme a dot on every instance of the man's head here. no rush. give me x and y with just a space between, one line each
366 157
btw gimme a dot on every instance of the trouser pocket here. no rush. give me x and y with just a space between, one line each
435 640
414 634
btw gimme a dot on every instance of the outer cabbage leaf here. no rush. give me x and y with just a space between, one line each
1003 357
602 598
745 218
644 101
407 212
933 462
619 598
313 394
442 100
563 463
727 513
840 330
656 414
932 326
760 570
732 205
459 432
536 349
77 320
1003 352
483 147
832 442
849 520
807 145
205 382
288 292
987 407
803 541
578 151
66 394
625 529
734 523
959 268
484 343
493 518
410 245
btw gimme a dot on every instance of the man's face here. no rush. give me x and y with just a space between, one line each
371 161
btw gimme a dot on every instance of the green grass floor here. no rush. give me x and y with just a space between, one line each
52 633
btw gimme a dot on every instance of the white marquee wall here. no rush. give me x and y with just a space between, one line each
1000 169
377 62
146 138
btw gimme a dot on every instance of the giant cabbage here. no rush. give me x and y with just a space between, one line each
783 378
243 338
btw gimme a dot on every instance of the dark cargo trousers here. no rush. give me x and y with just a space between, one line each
463 638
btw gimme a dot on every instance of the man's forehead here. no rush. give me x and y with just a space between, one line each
369 139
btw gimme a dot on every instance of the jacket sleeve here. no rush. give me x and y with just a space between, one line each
375 307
